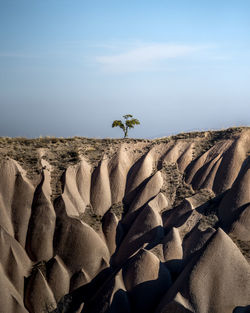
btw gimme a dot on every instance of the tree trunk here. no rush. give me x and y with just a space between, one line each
126 132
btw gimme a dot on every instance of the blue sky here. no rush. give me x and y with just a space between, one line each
71 67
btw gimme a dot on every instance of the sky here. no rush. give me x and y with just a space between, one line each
71 67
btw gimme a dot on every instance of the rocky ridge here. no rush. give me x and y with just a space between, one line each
126 225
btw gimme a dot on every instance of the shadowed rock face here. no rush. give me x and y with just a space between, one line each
142 226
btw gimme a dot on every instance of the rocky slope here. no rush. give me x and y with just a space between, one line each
126 225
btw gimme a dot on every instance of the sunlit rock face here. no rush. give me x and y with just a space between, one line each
126 225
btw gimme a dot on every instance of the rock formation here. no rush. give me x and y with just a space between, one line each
126 225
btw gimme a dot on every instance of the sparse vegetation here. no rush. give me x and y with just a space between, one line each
244 246
91 218
117 209
173 181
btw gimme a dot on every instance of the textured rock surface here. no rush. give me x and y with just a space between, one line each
126 225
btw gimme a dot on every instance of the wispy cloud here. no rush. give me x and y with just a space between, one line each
145 56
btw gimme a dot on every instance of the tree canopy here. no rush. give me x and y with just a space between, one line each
129 122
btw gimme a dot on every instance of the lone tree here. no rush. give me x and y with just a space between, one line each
130 122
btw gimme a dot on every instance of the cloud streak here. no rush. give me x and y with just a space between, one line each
145 57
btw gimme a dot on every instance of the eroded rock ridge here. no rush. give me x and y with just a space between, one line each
151 226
